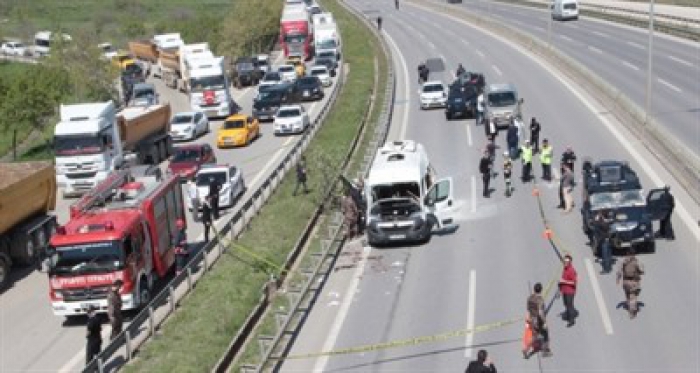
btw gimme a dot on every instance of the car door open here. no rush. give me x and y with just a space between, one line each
438 202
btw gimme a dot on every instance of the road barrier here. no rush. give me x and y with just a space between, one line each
145 324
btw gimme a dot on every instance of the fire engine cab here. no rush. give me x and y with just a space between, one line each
124 229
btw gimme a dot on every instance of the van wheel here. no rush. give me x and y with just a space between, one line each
4 273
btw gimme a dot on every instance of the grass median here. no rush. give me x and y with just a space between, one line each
197 335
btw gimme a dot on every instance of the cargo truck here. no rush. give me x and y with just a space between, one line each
188 58
326 37
91 140
295 34
167 66
124 229
27 197
210 88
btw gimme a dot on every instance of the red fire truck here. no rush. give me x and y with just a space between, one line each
124 229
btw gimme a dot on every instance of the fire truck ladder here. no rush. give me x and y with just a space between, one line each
100 193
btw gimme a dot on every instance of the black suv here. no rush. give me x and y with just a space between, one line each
246 72
461 101
309 88
613 188
328 59
267 102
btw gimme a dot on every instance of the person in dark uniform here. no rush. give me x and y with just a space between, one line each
668 203
379 23
206 217
396 4
568 157
482 364
214 189
114 309
93 335
301 176
535 135
181 250
601 230
485 170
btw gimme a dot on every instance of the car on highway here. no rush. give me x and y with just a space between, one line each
309 88
263 63
268 101
270 79
143 94
328 59
613 188
433 94
461 102
291 119
501 104
188 125
287 72
238 130
13 48
188 159
564 9
246 72
230 178
322 73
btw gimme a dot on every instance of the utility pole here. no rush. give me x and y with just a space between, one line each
648 115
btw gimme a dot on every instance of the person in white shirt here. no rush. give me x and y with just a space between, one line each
193 195
480 108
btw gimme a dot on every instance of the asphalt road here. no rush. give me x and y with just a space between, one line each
482 273
33 339
619 55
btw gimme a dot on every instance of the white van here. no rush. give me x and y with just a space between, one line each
564 9
404 202
42 43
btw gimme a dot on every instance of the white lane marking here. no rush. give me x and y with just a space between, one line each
636 45
669 85
480 53
406 98
689 220
599 297
343 310
420 35
538 28
631 66
469 134
564 37
473 193
471 307
572 26
602 35
594 49
684 62
466 42
430 44
496 70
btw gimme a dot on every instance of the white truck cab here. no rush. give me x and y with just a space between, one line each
564 9
87 146
209 87
404 201
326 36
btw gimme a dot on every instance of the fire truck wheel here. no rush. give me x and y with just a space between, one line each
4 272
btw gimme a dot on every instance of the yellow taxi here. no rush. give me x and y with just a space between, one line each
238 130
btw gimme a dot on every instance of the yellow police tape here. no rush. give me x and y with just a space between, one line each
247 251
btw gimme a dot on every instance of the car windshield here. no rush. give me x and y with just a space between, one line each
271 77
233 124
186 155
76 145
286 69
396 190
326 54
327 44
206 178
289 113
608 200
182 119
500 99
316 71
432 88
308 81
17 45
570 6
206 83
86 257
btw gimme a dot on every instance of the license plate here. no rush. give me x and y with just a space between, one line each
306 94
397 236
211 113
85 306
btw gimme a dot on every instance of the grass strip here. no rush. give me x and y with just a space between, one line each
196 336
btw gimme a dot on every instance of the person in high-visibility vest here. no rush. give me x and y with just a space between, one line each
526 156
546 160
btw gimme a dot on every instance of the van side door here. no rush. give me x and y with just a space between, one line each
438 202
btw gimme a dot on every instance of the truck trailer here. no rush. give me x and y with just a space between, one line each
91 140
124 229
27 198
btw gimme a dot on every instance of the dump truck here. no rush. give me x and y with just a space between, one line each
124 229
144 50
91 140
27 198
168 64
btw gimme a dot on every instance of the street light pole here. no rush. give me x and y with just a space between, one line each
649 62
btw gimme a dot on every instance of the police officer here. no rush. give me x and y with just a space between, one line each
114 309
631 272
214 189
667 203
600 237
485 170
546 160
535 134
460 70
379 23
526 156
206 217
568 157
512 139
93 335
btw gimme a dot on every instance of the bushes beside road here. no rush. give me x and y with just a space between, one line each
197 335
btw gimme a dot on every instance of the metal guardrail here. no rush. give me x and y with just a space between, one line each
288 322
21 59
145 324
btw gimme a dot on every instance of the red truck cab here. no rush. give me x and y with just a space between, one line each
295 38
124 229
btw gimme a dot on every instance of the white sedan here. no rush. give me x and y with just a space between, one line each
230 181
13 48
322 73
291 119
288 73
433 94
188 125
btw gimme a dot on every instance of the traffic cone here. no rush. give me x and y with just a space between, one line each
536 192
547 234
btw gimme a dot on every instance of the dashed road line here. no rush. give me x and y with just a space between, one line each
564 37
471 307
669 85
496 70
480 53
594 49
631 66
469 134
682 61
607 324
601 34
636 45
430 44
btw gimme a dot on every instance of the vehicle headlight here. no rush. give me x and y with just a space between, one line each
316 90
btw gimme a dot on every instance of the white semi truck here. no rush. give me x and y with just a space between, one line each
209 87
326 36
